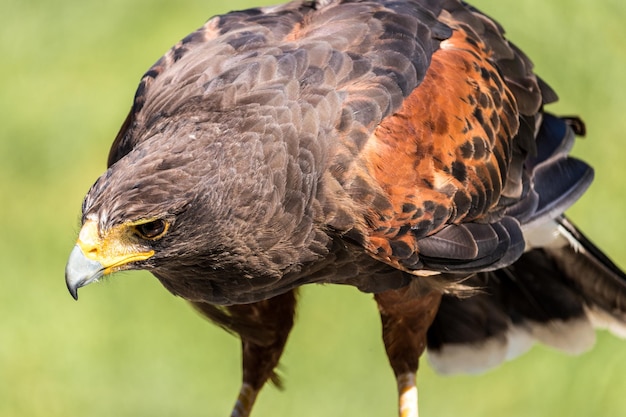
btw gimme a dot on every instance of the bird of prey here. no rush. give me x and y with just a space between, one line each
398 146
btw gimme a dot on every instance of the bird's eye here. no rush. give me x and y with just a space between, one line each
151 230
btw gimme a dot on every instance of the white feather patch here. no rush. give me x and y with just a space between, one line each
544 235
465 358
572 336
600 319
519 342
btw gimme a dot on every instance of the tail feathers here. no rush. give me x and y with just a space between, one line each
601 283
555 295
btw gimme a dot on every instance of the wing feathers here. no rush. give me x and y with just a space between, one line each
453 241
428 122
559 185
555 139
495 245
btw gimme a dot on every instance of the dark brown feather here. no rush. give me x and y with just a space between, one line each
398 146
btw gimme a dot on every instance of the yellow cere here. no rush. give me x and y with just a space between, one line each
114 249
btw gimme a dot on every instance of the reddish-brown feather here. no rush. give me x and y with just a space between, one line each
443 157
306 132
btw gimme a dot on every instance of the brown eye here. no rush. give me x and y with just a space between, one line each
151 230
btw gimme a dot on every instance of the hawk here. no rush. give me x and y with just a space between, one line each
398 146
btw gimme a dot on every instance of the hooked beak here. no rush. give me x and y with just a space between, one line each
96 255
81 271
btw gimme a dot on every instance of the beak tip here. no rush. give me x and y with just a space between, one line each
73 292
72 286
80 271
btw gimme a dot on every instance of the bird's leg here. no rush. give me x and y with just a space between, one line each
268 325
245 401
263 328
406 315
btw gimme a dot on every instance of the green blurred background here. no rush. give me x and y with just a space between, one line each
68 70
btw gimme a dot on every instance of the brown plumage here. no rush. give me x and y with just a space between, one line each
397 146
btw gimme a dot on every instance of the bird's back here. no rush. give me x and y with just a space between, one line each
407 123
398 146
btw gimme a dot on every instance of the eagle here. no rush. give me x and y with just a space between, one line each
401 147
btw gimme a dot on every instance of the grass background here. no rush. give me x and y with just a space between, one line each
68 70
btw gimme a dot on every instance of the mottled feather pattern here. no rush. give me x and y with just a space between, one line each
348 75
319 52
397 146
333 96
456 165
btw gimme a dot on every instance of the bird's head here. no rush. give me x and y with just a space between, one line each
135 213
211 206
